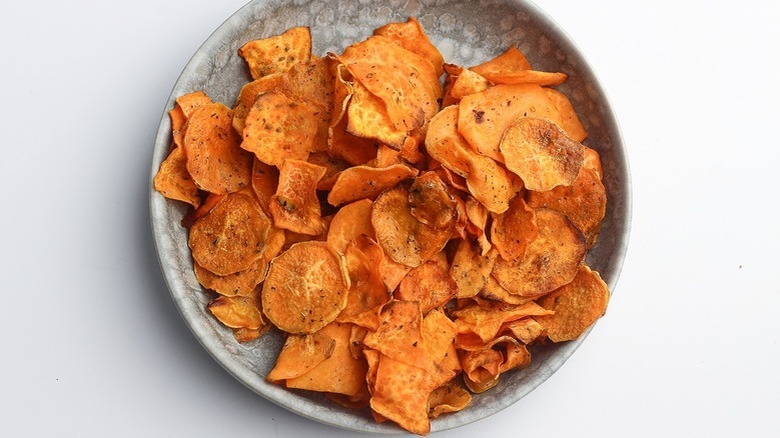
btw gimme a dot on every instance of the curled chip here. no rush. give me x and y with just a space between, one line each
174 182
306 288
429 284
366 182
241 283
462 82
541 154
405 239
511 60
300 354
431 202
447 398
367 117
411 36
278 53
237 312
214 159
231 237
350 222
529 77
550 261
367 292
295 206
576 306
514 229
569 121
248 94
470 269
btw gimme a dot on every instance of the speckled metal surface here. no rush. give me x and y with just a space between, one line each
467 33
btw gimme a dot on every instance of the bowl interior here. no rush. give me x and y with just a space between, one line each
467 33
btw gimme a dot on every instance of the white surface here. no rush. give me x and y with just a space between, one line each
92 345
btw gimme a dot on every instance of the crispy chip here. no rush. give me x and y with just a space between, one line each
312 82
333 167
301 353
486 320
511 60
367 292
569 121
543 78
577 306
406 82
405 239
351 221
174 181
306 288
399 334
477 216
525 330
278 53
240 283
248 94
445 144
429 284
592 161
278 128
340 373
541 154
470 269
447 398
265 179
401 394
231 237
191 101
214 159
481 368
584 202
431 202
367 117
411 36
550 261
464 82
295 205
365 182
237 311
514 229
484 116
178 124
492 290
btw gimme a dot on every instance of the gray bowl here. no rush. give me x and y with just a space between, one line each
467 33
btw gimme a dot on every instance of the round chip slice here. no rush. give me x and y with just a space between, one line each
231 237
541 154
550 261
306 287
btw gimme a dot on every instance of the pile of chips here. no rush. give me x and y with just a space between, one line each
412 239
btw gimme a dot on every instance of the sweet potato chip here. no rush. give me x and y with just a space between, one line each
514 229
295 205
191 101
584 202
174 181
312 82
511 60
541 154
470 269
447 398
445 144
367 117
399 335
351 221
543 78
278 128
340 373
477 216
306 288
592 161
525 330
278 53
577 306
411 36
237 311
404 239
240 283
400 393
429 284
300 354
481 368
464 82
550 261
214 159
365 182
248 94
367 292
493 291
333 166
569 121
178 124
486 320
231 237
431 202
484 116
406 82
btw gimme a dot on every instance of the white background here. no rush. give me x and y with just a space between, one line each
91 344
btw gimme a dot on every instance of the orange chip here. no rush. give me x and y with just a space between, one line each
214 159
447 398
178 124
367 117
205 208
584 202
295 205
361 182
306 288
550 261
481 368
174 182
278 128
485 320
541 154
577 306
300 354
477 217
340 373
312 82
399 335
243 334
404 239
400 393
525 330
192 101
464 82
592 161
470 269
248 94
569 121
431 202
351 221
278 53
241 283
511 60
265 179
484 116
411 36
406 82
231 237
237 311
445 144
367 292
514 229
333 166
493 291
543 78
387 156
429 284
392 271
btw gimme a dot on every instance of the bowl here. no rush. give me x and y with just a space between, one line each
467 33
